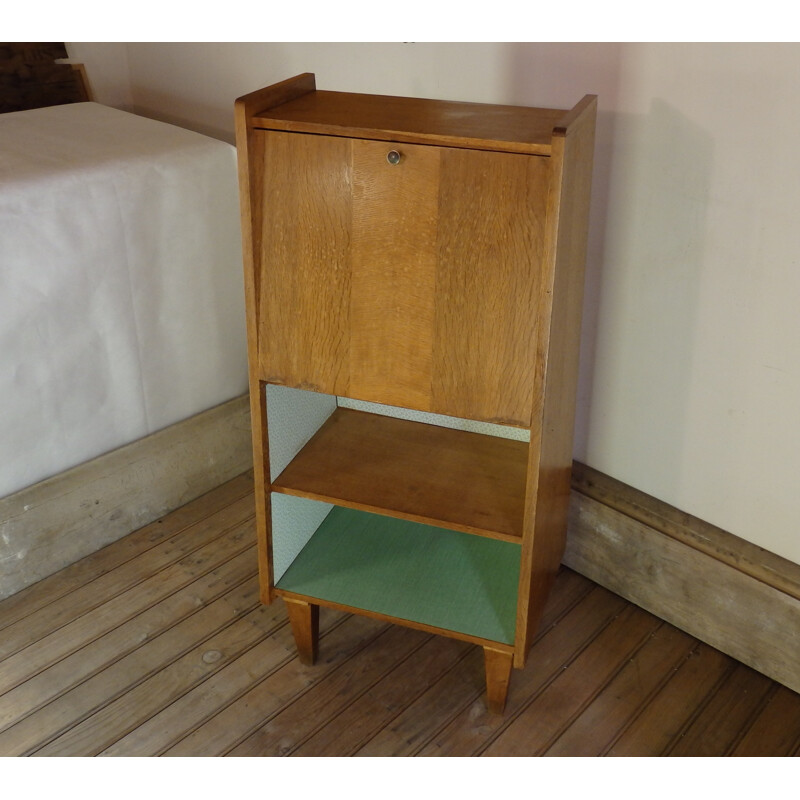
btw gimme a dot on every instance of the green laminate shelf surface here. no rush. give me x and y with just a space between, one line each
451 580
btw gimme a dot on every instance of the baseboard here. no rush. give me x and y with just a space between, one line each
729 593
51 524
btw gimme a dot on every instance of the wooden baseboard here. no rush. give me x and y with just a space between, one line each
727 592
51 524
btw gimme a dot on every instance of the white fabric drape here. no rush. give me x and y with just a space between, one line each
121 301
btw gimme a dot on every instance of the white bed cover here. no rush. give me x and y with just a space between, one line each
121 299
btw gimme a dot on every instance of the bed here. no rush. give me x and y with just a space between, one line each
120 283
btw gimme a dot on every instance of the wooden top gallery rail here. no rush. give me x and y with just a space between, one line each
31 77
481 126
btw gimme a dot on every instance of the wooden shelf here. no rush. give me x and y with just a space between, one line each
405 571
411 470
409 119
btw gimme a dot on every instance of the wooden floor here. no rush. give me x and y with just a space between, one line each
157 645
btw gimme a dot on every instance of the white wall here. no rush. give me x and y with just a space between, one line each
107 69
690 372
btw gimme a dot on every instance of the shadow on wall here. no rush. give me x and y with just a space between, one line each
653 262
558 75
645 254
188 116
203 80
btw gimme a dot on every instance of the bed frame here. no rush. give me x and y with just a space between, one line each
32 77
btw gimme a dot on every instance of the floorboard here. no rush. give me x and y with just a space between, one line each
51 589
157 645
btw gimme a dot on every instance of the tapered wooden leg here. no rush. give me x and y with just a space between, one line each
498 674
304 619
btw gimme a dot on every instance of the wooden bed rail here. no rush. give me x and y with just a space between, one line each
31 77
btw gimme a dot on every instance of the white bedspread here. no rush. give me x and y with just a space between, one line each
121 301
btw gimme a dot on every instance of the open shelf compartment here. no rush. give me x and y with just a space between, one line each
412 470
410 572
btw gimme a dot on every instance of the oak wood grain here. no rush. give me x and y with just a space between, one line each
448 279
249 161
250 164
406 623
304 619
425 473
497 666
404 119
305 274
390 283
490 244
556 368
392 300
